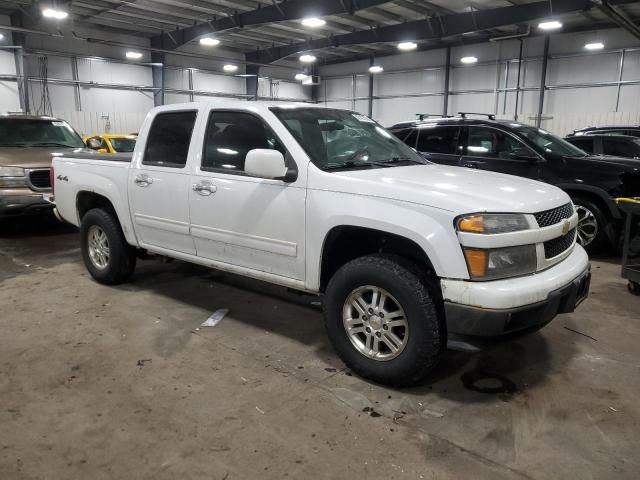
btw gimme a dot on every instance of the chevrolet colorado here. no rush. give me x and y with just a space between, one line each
405 253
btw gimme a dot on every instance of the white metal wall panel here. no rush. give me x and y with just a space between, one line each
174 78
580 100
630 99
475 77
9 97
389 111
422 81
89 123
293 90
170 98
341 87
210 82
631 69
471 102
584 69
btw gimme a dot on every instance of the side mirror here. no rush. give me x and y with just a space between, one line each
265 163
94 143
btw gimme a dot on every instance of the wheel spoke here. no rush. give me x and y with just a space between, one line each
356 304
381 301
368 343
376 345
374 298
393 315
397 323
392 346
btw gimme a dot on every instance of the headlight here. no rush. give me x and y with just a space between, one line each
500 262
489 223
12 177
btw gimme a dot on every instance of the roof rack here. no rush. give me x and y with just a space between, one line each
490 116
422 116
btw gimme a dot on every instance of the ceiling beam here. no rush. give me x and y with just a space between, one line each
617 16
278 12
431 28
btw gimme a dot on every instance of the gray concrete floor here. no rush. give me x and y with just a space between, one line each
102 383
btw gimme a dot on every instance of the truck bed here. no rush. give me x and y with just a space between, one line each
110 157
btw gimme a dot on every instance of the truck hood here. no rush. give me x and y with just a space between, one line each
456 189
36 157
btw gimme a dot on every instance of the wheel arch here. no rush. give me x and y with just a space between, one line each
87 200
596 195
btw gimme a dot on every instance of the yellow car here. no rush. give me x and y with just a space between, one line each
108 143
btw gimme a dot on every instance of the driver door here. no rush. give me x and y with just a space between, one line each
489 148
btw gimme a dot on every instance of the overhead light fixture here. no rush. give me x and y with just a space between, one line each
230 68
301 76
469 60
209 42
54 13
307 58
551 25
594 46
313 22
406 46
375 69
134 55
1 36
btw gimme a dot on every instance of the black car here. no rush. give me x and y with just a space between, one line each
510 147
632 131
616 145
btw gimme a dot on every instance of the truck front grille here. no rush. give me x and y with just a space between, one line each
556 246
39 179
553 216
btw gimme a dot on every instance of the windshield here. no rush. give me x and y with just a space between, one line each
336 139
16 132
549 142
123 145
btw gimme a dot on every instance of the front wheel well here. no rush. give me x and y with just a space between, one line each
592 197
345 243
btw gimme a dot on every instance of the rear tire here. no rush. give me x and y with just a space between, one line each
107 256
406 324
593 226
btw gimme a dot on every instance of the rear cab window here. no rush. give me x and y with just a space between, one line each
169 139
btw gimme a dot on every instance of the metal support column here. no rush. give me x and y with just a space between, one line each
620 72
251 83
371 62
515 117
76 84
158 77
191 97
447 81
543 80
22 81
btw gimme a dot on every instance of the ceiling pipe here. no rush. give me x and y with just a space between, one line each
30 31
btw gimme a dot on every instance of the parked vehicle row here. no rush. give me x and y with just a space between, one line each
27 145
406 254
592 181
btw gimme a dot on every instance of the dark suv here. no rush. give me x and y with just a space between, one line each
518 149
600 144
632 131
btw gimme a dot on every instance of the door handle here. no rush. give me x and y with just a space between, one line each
470 165
143 180
204 188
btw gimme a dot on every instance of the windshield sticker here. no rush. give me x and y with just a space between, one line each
58 124
362 118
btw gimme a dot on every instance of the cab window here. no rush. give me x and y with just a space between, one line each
490 142
230 136
583 143
169 138
620 147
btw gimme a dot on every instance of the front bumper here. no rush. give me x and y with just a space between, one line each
12 205
487 309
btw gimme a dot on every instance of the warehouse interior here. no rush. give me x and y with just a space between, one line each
124 382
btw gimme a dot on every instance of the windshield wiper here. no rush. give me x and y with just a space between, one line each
351 164
405 159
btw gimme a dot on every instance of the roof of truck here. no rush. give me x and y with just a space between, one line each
244 104
25 116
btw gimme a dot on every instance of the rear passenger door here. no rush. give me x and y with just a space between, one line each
620 147
439 143
159 183
240 220
489 148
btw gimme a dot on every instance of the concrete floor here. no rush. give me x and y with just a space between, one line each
103 383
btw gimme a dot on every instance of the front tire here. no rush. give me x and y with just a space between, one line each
383 321
107 256
593 226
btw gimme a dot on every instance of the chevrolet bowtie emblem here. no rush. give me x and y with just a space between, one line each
565 227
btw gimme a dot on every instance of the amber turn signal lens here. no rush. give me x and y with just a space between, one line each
476 262
473 224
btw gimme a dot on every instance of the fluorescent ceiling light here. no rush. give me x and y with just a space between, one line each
594 46
551 25
469 60
406 46
1 36
313 22
230 68
375 69
209 42
301 76
307 58
246 75
134 55
54 13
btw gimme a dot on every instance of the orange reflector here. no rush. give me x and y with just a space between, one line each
476 261
473 224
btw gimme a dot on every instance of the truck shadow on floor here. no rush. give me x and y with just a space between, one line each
502 370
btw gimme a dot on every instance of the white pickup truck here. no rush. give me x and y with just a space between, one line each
406 254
